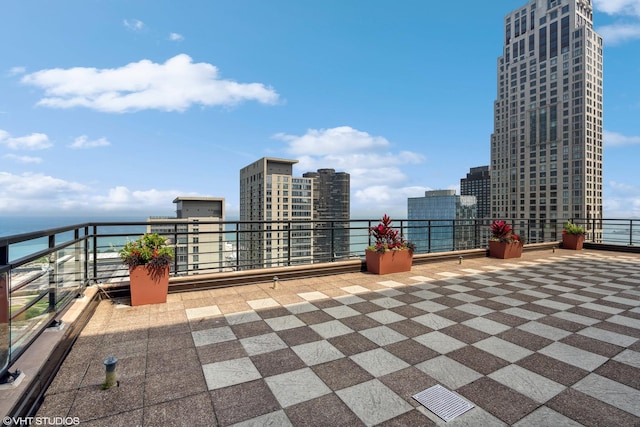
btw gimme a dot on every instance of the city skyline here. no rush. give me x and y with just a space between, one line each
127 106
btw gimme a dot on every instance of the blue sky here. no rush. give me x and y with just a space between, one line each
116 107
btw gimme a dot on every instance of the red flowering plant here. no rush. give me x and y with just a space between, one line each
387 238
150 250
503 232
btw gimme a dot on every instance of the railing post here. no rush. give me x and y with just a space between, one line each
53 270
289 242
630 232
5 336
429 236
333 246
94 251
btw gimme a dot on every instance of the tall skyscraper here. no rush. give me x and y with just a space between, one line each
331 214
478 183
437 221
276 210
546 149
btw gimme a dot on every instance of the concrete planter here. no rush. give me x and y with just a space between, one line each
148 286
389 261
572 241
505 250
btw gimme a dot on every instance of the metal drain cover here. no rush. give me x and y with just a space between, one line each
442 402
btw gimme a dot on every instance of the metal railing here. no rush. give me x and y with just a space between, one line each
43 271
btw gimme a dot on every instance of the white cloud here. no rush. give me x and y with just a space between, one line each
37 192
84 142
619 33
133 24
613 139
35 141
622 200
376 171
40 193
628 26
22 159
121 199
176 37
14 71
174 85
618 7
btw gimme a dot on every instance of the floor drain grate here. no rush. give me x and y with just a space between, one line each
442 402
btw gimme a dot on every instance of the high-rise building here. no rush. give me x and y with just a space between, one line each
546 148
478 183
276 210
331 214
441 221
197 235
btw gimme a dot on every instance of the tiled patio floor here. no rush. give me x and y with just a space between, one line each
550 339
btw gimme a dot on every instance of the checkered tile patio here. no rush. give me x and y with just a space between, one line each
550 339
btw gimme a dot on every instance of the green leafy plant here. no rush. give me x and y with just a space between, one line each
387 238
571 228
150 249
503 232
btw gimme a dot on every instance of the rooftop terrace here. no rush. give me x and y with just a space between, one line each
552 338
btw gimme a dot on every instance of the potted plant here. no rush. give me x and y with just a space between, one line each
391 253
572 236
504 243
149 259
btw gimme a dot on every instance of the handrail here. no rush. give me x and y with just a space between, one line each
64 260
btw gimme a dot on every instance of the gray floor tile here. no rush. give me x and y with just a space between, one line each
379 362
341 312
296 386
439 342
544 416
528 383
607 336
373 402
278 418
317 352
448 372
212 336
611 392
331 329
383 335
600 307
242 317
544 330
525 314
284 322
629 357
229 372
301 307
262 344
573 356
577 318
486 325
503 349
433 321
476 310
625 321
385 316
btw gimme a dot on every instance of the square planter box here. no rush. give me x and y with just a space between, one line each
505 250
389 261
572 241
148 286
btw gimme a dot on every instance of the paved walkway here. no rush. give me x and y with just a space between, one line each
550 339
